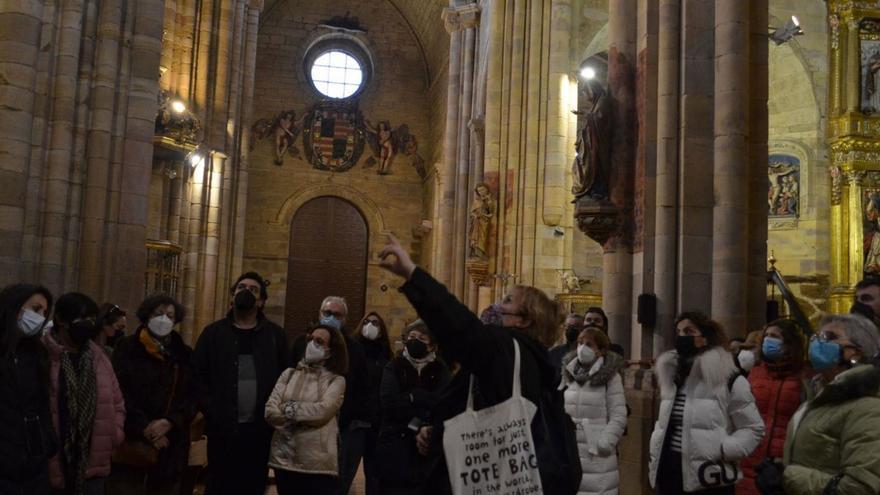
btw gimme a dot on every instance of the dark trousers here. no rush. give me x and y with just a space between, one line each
354 445
293 483
131 481
670 480
239 464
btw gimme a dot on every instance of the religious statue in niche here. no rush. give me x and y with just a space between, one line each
871 235
333 136
592 163
284 130
869 34
387 143
783 193
481 215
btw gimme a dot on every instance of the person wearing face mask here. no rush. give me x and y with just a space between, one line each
27 438
747 352
112 321
372 335
87 405
833 440
778 384
236 362
155 373
572 327
708 420
594 399
411 385
302 409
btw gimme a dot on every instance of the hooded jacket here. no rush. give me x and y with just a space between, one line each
108 430
837 434
721 424
307 442
598 409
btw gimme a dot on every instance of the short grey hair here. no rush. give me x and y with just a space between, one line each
336 299
860 330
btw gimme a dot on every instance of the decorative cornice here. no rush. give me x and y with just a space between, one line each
461 17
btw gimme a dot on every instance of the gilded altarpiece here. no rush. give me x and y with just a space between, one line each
854 144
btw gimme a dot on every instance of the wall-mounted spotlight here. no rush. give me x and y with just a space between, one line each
178 106
784 34
588 73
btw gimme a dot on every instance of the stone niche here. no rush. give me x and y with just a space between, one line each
396 92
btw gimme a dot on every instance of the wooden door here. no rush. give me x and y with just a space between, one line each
328 257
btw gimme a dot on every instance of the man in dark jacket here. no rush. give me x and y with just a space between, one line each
237 361
574 324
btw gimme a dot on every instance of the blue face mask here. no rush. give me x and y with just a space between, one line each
331 321
771 349
824 355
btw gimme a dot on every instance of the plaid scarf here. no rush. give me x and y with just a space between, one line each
81 397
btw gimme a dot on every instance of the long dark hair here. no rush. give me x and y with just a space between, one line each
12 298
794 339
383 338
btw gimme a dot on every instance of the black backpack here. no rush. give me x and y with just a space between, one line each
556 445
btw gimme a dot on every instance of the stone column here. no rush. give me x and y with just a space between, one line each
731 182
617 284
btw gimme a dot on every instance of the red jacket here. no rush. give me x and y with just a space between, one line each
778 394
107 432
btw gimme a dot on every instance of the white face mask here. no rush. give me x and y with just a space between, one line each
30 322
160 326
315 353
586 355
746 360
370 331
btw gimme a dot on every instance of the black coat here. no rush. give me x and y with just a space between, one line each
406 395
485 351
27 438
376 357
147 383
215 362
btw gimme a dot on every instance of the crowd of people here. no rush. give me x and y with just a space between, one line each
93 406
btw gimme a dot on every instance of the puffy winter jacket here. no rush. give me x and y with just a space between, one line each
598 409
778 392
721 424
306 443
108 430
837 434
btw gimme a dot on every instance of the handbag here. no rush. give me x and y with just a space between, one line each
139 453
492 450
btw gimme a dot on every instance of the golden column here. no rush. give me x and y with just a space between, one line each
854 144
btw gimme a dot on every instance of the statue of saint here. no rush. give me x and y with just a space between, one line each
482 212
591 167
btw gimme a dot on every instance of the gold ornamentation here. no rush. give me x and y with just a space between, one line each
834 24
478 271
836 184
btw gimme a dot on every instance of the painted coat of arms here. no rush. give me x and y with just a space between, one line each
333 136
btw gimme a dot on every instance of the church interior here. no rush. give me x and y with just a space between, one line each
645 156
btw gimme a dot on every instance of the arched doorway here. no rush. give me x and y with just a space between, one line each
328 256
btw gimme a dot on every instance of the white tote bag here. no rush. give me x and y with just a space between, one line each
491 451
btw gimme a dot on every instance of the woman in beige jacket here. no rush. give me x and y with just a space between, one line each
302 409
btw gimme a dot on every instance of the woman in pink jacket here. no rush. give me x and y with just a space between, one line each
87 407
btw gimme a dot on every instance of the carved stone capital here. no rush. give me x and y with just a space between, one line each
256 4
599 219
477 125
461 17
855 177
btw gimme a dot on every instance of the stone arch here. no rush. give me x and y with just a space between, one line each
367 206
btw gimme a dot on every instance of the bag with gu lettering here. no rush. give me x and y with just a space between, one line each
491 451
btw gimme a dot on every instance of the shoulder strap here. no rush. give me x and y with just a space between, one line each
730 381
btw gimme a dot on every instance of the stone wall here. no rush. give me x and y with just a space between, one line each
398 92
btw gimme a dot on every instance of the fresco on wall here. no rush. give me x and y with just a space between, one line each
784 177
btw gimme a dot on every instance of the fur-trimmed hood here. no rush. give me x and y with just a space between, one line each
714 367
612 363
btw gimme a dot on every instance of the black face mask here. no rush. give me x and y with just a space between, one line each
82 331
685 346
111 341
416 348
860 308
245 301
571 333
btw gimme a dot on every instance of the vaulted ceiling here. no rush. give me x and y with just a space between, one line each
423 19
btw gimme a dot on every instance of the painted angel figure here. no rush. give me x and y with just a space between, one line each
284 131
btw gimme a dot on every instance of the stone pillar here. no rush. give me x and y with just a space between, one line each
731 181
617 284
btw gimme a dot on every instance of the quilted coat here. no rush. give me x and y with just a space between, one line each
108 431
307 442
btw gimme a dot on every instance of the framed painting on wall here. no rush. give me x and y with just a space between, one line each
871 232
784 177
869 52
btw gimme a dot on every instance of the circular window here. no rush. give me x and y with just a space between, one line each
336 74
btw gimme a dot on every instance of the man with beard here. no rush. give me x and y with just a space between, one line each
237 361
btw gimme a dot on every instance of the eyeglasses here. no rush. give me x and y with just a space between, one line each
372 320
327 312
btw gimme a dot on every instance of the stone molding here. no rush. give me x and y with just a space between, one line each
367 206
461 17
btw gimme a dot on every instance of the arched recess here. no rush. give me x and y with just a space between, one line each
329 249
367 206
